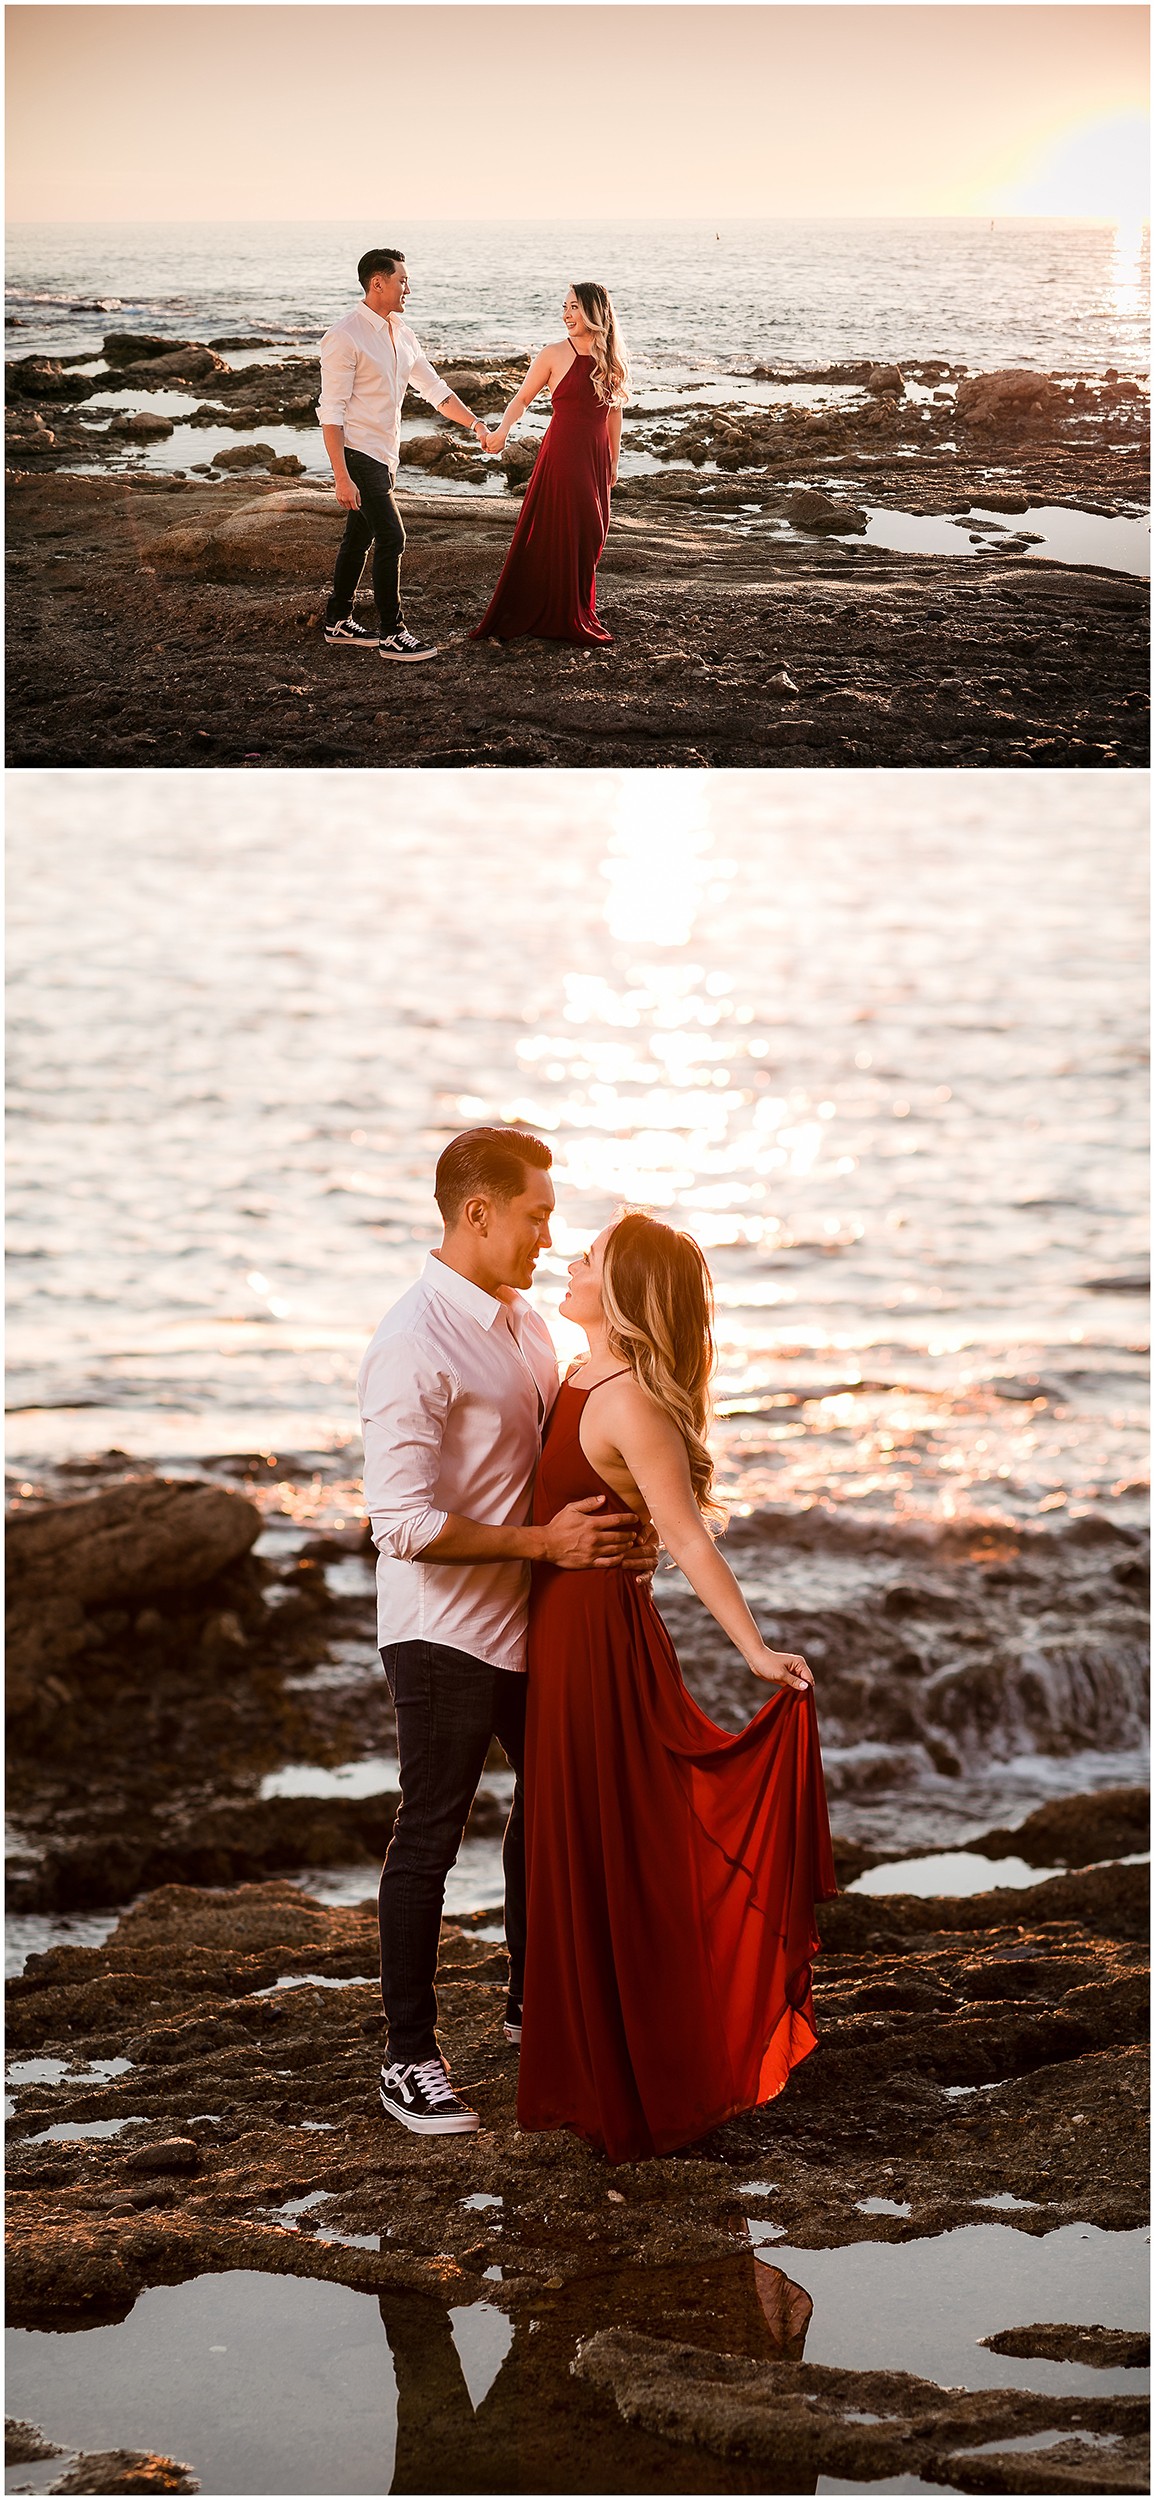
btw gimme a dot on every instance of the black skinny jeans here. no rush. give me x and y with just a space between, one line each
379 525
449 1706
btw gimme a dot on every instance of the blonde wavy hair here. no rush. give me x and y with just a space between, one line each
659 1305
611 372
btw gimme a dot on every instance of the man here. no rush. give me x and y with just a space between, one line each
454 1392
367 361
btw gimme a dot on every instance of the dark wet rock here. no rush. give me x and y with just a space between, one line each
25 2445
887 379
132 347
126 2469
43 378
1071 2465
177 2153
1097 2347
141 428
287 465
150 1533
246 456
1008 402
1078 1831
864 2424
811 510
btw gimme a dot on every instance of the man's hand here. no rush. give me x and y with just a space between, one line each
643 1561
577 1541
348 495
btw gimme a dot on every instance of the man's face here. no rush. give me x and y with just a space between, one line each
518 1231
386 292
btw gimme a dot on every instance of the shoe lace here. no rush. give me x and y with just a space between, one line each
434 2081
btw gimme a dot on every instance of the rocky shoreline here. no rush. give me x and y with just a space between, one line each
981 2062
753 626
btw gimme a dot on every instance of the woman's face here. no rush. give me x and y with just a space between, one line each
582 1302
572 314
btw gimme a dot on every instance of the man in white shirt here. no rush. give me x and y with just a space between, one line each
454 1392
368 360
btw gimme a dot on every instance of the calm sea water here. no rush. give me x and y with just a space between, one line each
1052 294
879 1042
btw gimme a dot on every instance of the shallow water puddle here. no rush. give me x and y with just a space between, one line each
261 2383
949 1874
922 2305
367 1778
483 2336
1121 544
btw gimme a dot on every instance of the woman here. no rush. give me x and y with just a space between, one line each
673 1869
547 581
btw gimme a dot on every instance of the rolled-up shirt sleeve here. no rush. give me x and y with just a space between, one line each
338 368
424 378
406 1396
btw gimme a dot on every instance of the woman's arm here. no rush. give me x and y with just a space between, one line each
615 443
654 1452
540 373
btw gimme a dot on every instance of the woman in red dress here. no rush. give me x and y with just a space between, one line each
673 1869
547 582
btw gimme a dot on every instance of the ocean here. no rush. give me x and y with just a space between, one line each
878 1041
695 302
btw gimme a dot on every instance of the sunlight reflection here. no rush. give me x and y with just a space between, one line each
658 861
1126 277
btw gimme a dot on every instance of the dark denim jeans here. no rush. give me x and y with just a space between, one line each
379 525
448 1706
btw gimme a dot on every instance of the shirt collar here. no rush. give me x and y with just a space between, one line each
481 1306
380 321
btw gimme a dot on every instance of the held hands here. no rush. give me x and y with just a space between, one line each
782 1666
578 1541
348 495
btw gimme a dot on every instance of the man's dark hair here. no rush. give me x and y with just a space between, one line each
382 261
487 1163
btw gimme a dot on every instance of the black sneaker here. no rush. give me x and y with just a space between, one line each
422 2098
403 645
348 630
512 2024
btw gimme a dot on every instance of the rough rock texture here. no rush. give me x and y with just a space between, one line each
146 1535
1097 2347
125 2469
783 2414
275 2084
736 644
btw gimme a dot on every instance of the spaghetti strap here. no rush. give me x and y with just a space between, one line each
600 1384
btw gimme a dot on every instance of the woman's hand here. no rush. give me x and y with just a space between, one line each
781 1666
613 477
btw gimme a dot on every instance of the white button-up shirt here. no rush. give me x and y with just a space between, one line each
454 1391
367 363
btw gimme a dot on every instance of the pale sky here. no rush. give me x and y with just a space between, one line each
706 112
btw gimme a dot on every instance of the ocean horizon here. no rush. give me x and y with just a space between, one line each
694 299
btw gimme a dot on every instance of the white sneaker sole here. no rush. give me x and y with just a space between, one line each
347 642
464 2122
384 654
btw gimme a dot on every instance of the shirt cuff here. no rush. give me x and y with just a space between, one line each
405 1540
331 411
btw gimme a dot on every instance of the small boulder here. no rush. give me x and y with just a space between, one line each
132 347
245 456
143 428
139 1537
886 380
517 460
175 2155
287 465
809 509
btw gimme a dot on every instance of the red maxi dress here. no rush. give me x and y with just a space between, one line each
673 1869
546 585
